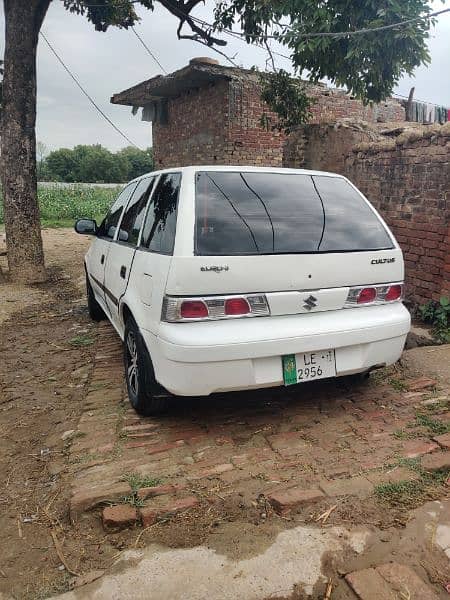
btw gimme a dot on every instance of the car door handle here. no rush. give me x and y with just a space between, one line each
123 271
102 259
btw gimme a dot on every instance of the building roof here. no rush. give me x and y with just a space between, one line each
200 72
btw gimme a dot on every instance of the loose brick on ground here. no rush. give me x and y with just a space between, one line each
421 384
355 486
416 448
156 490
94 496
286 500
443 440
405 582
436 461
211 472
156 449
119 517
368 584
151 514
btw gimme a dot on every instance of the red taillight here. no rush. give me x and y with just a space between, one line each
394 293
236 306
193 309
367 295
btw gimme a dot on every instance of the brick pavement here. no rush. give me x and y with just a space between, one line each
293 445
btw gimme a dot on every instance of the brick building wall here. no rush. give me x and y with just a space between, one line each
332 105
325 146
408 180
220 123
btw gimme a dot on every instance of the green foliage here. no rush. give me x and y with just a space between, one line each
438 315
367 65
138 481
86 164
433 425
62 205
285 96
139 161
81 340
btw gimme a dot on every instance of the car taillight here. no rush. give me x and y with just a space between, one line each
374 294
394 293
237 306
214 307
366 295
193 309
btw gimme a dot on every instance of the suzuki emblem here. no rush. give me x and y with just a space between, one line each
310 303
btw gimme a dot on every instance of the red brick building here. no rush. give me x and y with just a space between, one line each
206 113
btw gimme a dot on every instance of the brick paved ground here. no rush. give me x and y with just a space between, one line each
294 445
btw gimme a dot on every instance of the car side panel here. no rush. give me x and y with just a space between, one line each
95 262
145 290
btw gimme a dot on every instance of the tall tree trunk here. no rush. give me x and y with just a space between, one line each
23 20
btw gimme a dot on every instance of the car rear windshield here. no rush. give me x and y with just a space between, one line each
281 213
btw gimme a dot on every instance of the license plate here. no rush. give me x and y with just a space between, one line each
308 366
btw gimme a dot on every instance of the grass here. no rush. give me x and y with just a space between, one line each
62 206
81 340
410 493
138 481
398 384
433 425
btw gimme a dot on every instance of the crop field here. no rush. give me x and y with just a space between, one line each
61 205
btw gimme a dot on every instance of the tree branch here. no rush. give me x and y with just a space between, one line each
181 11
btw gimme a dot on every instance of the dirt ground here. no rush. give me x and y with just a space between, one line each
48 350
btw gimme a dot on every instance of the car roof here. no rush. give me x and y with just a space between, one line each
240 168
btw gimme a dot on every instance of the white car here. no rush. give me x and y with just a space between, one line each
233 278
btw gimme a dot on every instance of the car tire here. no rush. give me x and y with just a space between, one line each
146 396
96 312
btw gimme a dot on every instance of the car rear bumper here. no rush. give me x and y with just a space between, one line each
214 356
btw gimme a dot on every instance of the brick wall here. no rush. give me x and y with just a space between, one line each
325 146
332 105
221 124
196 129
408 180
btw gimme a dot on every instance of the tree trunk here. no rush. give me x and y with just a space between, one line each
23 20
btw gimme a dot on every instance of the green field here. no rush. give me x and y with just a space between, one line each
61 206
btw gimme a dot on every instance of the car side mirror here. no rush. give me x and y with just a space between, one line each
86 227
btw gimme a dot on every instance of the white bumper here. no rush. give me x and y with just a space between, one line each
197 359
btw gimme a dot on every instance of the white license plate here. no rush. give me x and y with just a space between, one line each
308 366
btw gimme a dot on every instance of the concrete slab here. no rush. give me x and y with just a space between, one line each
295 559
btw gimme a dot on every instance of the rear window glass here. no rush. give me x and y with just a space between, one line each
280 213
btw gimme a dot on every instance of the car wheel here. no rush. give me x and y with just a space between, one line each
96 312
146 396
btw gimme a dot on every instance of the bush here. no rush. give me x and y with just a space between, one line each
438 315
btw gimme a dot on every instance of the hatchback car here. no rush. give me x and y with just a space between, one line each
233 278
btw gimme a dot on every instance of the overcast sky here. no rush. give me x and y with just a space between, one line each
107 63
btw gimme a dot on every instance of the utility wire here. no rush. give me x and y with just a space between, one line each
148 50
91 100
336 34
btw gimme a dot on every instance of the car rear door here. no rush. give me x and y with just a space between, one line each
154 255
98 252
121 253
303 239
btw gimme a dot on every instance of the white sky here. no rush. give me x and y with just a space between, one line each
107 63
